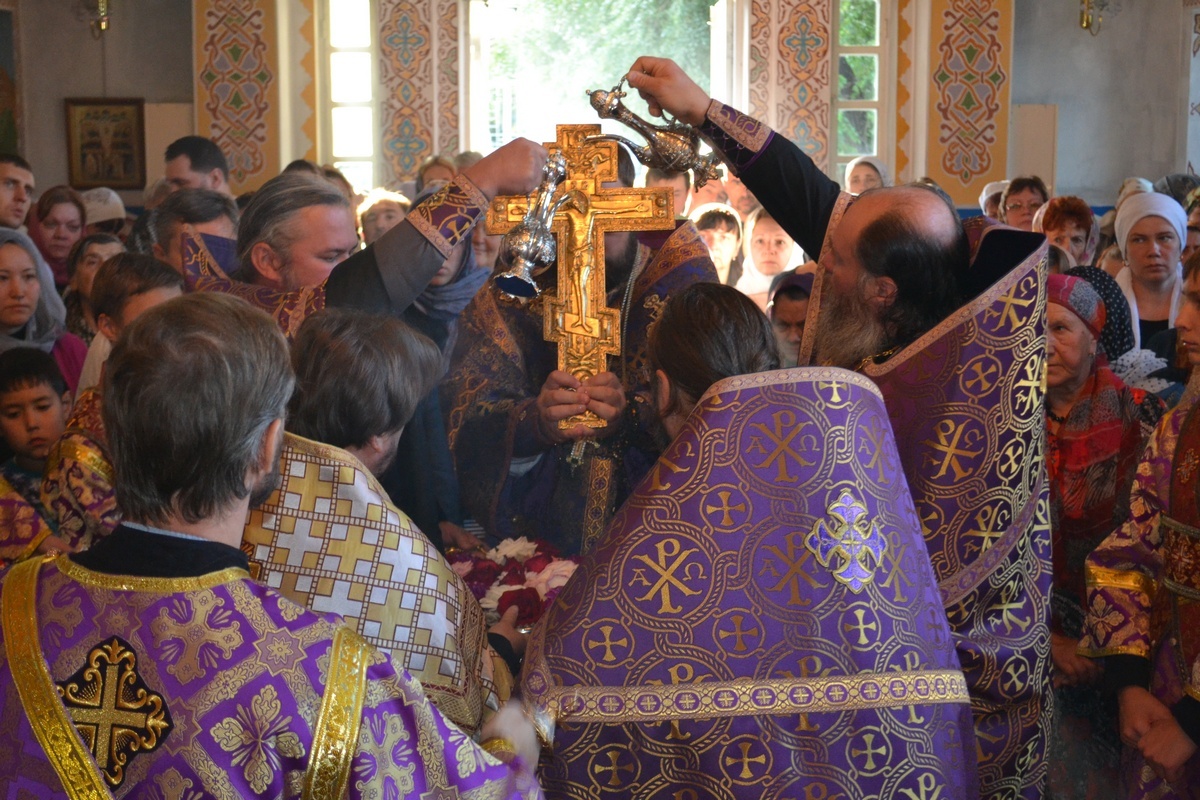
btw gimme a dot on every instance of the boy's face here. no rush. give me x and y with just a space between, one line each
31 419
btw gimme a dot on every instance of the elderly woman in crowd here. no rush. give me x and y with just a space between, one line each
31 312
866 172
1021 200
56 223
1069 223
1096 428
1151 228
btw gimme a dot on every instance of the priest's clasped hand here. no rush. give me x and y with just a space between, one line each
563 395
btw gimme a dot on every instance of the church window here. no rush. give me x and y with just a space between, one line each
352 135
532 60
861 63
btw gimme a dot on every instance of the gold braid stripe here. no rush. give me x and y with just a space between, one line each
1102 578
91 458
34 543
53 728
133 583
751 696
335 736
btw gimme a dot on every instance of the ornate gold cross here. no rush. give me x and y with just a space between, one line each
576 318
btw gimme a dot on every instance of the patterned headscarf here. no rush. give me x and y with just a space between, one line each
1192 200
1078 297
1117 335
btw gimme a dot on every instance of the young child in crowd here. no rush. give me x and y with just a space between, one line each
34 404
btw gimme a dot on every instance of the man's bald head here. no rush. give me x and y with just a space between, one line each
912 237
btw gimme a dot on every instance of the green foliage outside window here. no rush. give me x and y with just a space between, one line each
541 66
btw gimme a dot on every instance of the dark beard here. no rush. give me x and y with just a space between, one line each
847 329
618 266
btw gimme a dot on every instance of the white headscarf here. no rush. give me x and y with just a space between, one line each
995 187
49 318
878 165
752 281
1138 206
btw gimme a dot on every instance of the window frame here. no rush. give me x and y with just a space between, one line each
326 103
885 87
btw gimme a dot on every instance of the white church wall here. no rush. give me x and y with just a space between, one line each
146 53
1121 95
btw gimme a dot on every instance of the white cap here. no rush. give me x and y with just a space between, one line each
995 187
102 205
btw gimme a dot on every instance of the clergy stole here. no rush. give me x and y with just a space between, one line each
966 401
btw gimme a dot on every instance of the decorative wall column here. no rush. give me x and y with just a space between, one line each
790 72
1191 13
419 83
908 121
970 76
236 57
298 79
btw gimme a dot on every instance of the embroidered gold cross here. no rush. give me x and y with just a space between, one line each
114 711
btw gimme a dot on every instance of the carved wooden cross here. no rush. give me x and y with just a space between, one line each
586 330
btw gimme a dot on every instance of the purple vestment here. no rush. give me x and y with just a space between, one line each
966 401
760 619
211 687
1143 582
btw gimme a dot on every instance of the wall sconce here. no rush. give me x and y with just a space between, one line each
100 23
96 14
1091 13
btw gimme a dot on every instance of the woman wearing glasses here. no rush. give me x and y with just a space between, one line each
1021 200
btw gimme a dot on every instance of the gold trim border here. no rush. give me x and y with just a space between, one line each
794 375
753 696
132 583
335 735
51 725
90 458
1104 578
1125 650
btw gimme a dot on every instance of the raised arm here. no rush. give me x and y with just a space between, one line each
388 276
784 179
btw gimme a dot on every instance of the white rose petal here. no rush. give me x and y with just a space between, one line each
555 575
520 549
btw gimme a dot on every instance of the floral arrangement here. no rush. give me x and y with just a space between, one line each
517 572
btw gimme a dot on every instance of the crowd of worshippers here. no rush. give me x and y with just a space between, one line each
149 363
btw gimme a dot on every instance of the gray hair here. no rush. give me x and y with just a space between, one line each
185 453
267 217
191 207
